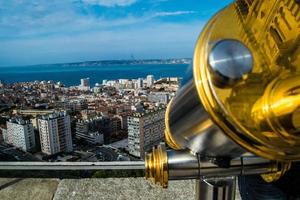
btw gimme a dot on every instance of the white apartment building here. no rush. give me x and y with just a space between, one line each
20 133
145 130
90 131
85 82
159 97
140 83
95 138
55 133
150 80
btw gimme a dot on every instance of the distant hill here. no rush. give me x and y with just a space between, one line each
129 62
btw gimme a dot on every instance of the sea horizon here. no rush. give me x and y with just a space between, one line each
70 75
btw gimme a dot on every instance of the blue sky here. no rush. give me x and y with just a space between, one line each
58 31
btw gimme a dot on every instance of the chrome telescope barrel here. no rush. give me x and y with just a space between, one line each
189 126
184 165
163 165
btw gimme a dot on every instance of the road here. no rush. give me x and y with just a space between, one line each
108 154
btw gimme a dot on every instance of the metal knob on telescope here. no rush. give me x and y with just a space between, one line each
229 60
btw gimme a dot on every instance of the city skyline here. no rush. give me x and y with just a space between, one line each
49 121
81 30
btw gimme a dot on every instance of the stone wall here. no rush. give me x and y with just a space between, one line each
93 189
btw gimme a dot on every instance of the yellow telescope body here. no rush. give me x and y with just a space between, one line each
241 94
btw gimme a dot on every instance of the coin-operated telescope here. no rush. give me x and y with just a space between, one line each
238 111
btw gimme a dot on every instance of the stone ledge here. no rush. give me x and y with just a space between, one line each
123 188
31 189
94 189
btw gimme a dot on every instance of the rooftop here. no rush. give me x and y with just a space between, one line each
19 121
147 112
53 115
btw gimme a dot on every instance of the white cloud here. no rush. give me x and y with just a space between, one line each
151 41
175 13
58 31
20 18
110 3
66 21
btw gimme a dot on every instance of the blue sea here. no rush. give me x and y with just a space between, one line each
71 75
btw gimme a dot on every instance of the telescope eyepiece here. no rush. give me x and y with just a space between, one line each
229 61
